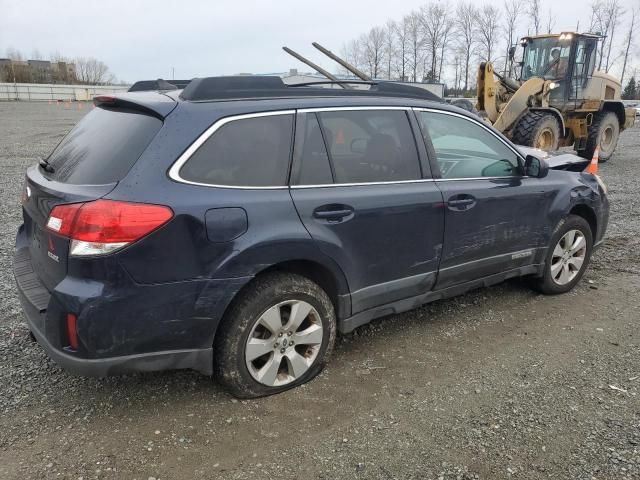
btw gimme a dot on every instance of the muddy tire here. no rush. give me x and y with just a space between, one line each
568 256
277 334
539 130
464 104
604 130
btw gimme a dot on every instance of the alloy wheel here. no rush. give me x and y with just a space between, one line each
283 343
568 257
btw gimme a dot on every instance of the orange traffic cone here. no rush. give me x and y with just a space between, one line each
593 166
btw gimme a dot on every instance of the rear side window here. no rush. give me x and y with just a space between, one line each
102 147
370 146
251 152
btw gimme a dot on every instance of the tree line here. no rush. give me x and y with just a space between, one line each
79 70
446 40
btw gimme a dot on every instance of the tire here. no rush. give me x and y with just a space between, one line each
258 314
464 104
550 282
539 130
603 123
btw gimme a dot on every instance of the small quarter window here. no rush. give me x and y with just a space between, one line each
370 146
252 152
466 150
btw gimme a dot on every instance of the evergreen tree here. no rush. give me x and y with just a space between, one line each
631 90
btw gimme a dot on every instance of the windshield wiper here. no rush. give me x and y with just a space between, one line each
46 166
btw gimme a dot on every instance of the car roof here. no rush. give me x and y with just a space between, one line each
252 94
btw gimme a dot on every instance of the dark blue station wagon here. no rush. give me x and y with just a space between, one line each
235 226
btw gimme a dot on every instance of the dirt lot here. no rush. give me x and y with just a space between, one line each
499 383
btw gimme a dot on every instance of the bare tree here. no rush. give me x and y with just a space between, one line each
435 25
373 43
17 71
551 22
416 45
487 27
352 52
91 71
14 54
533 12
604 19
390 53
628 41
402 36
466 18
512 13
446 35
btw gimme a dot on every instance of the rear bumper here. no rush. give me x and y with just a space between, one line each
122 326
196 359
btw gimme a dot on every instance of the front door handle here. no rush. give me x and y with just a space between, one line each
333 212
461 202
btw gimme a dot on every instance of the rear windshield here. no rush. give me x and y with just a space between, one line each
102 147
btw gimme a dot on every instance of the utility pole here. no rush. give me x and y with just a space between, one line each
173 73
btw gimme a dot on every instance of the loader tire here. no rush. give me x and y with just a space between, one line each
539 130
464 104
604 130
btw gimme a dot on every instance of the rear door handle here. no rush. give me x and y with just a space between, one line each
333 212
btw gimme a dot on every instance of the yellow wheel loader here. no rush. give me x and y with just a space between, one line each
559 98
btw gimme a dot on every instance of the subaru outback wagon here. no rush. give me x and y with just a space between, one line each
234 227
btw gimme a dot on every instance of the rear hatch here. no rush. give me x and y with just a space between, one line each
85 166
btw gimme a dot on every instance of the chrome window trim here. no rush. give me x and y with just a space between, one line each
479 178
484 127
174 170
362 184
356 108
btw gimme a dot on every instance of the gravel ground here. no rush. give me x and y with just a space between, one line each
498 383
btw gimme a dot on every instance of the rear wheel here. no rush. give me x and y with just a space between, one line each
603 131
277 335
539 130
568 256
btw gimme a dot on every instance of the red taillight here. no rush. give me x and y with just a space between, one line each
62 217
103 226
72 330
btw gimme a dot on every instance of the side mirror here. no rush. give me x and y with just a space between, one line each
512 53
535 167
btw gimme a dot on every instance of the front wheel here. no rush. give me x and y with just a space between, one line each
568 256
538 130
278 334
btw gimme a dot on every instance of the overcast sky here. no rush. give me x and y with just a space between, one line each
145 39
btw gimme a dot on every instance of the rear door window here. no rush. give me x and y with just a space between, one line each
370 145
251 152
102 147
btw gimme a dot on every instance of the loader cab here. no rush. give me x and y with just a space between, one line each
567 60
